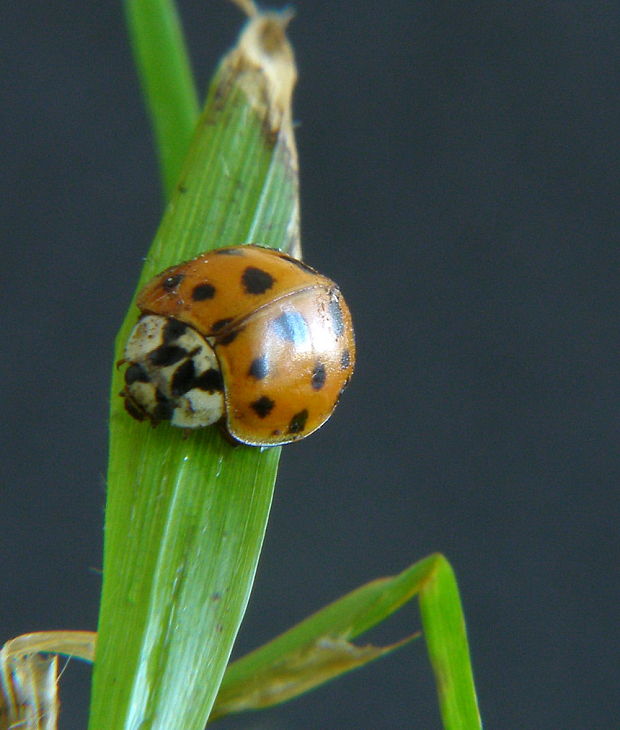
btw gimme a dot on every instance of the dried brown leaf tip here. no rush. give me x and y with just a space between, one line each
263 65
29 676
296 672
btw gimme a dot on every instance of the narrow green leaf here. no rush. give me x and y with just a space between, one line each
164 69
317 650
185 516
446 641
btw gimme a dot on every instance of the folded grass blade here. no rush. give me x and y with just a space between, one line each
318 649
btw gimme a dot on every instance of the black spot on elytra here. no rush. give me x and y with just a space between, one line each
300 264
256 281
136 374
229 252
211 380
183 378
220 324
318 376
259 368
203 291
298 421
292 327
167 355
336 315
170 283
173 330
229 337
263 406
345 360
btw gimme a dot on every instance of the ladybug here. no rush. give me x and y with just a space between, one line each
244 336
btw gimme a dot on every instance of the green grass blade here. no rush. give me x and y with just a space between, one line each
446 641
167 82
185 517
317 650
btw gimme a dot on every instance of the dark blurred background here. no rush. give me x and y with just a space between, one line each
459 169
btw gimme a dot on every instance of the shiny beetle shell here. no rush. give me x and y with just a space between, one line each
281 339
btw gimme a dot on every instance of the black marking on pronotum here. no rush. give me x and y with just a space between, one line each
298 263
319 375
202 292
298 421
211 380
173 330
336 314
291 326
170 283
256 281
135 373
263 406
166 355
259 368
164 410
183 378
345 360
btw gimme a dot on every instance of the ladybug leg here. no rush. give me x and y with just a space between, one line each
120 363
134 410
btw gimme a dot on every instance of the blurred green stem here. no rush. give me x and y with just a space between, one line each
166 78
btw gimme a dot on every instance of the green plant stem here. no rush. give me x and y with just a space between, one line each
163 66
